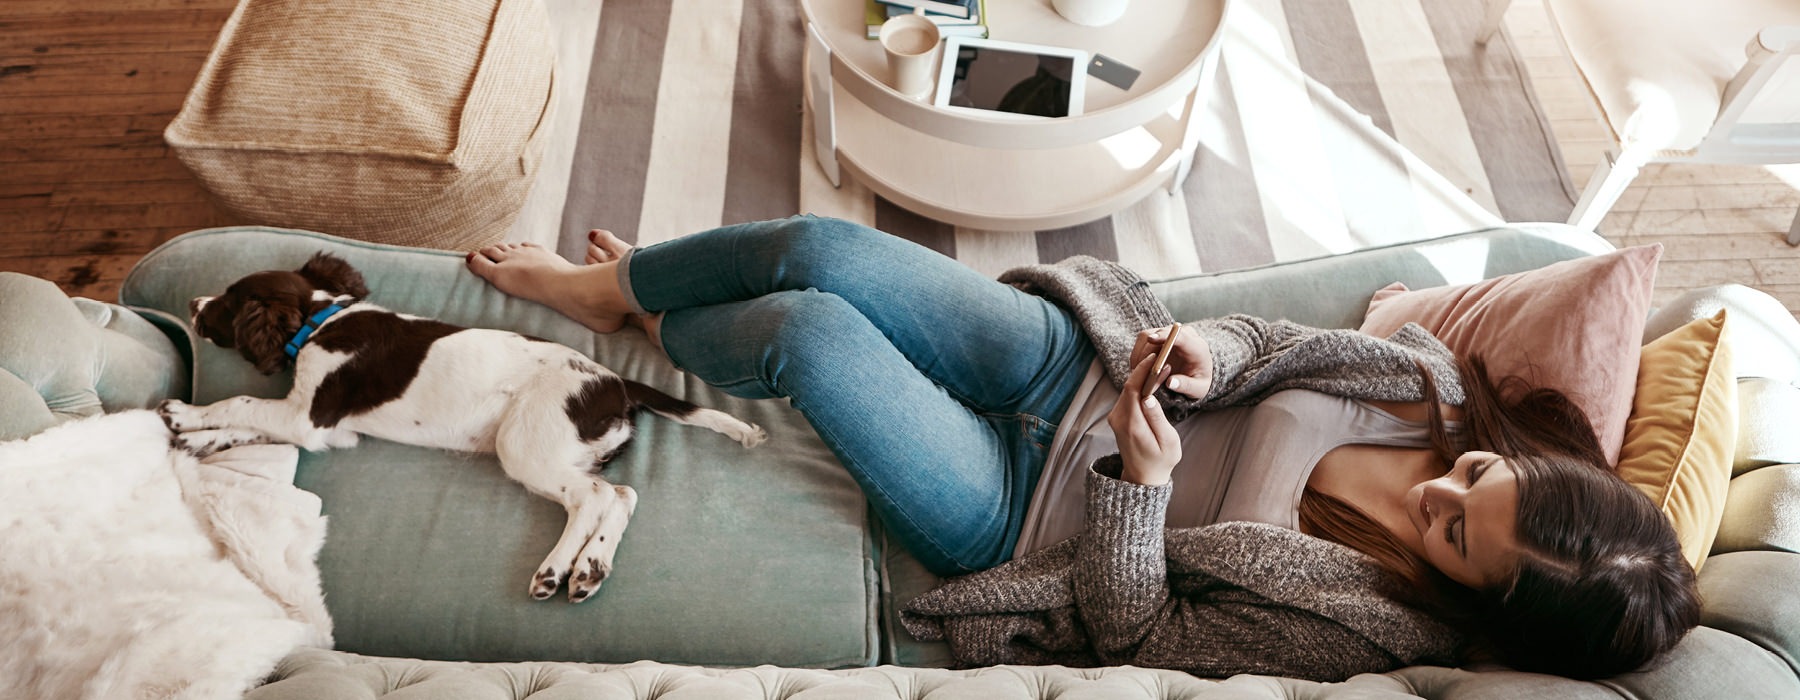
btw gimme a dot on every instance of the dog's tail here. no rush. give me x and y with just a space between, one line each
659 403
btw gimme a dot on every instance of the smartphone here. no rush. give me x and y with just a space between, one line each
1162 358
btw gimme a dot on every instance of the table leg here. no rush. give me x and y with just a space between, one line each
821 106
1190 134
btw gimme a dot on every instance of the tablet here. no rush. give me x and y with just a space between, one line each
1011 79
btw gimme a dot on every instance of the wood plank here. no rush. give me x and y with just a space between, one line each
1737 246
25 8
38 195
124 31
143 144
1651 222
160 103
108 216
91 276
164 168
89 242
113 73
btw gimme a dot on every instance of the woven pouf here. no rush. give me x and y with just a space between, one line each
412 123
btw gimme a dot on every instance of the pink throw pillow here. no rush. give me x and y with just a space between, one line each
1575 326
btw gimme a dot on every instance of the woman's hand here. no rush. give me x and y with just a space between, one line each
1191 359
1148 445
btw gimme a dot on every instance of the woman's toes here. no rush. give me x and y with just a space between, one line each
609 243
485 263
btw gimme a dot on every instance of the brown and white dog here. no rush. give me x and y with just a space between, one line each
551 414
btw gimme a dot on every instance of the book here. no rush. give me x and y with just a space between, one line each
939 20
877 12
960 9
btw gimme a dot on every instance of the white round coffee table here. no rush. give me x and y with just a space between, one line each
996 173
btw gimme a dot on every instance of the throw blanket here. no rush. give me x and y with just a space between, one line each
132 570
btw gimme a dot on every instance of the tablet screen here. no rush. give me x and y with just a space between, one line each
1011 81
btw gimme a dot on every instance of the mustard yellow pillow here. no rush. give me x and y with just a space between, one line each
1683 428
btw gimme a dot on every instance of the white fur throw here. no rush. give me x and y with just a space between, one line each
131 570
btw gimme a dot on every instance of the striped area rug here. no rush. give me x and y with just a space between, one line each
1332 125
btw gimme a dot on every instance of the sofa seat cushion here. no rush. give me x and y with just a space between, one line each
416 125
735 556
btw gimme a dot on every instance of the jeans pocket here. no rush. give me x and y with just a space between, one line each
1036 432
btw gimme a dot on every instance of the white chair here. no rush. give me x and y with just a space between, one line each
1681 81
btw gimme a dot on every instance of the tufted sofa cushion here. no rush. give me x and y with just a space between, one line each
63 358
1726 665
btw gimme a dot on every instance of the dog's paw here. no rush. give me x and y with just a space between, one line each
628 497
178 416
206 443
586 580
545 582
754 436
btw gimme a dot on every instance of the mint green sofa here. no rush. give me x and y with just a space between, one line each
760 573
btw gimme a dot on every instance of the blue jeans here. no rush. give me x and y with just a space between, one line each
937 387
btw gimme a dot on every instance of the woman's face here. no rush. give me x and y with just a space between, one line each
1467 520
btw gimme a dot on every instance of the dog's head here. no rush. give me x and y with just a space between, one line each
258 314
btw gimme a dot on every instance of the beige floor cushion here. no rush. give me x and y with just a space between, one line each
407 123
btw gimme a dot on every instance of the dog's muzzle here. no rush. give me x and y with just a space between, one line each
196 305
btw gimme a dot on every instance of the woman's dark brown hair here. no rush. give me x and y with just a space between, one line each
1600 588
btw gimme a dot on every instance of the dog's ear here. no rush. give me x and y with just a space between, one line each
262 330
332 274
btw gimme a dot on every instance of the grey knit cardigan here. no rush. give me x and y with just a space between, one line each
1219 600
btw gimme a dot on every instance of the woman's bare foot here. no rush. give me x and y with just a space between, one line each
603 247
587 293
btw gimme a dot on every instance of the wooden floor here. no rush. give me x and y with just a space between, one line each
87 185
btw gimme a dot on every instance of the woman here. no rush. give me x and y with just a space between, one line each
970 412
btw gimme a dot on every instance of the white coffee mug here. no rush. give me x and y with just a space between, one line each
1091 13
910 41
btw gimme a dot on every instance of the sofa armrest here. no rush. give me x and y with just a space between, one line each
63 358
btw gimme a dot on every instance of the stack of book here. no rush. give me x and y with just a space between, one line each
953 17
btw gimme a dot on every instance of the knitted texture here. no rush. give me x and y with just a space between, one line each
409 124
1252 357
1215 601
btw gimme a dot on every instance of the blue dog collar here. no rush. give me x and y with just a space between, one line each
306 330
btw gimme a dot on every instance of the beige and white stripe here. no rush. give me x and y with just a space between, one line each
1330 127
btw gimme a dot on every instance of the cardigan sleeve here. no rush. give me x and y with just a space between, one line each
1135 611
1120 573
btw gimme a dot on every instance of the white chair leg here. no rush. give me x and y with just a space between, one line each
1794 231
1604 187
1490 25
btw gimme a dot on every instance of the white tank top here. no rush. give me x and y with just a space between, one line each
1247 463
